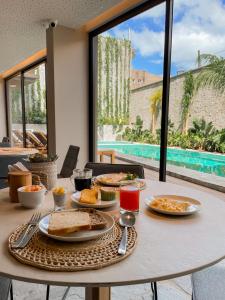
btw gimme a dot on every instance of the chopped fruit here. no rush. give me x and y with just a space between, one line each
59 190
32 188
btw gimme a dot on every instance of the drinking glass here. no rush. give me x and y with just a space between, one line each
129 199
59 199
81 179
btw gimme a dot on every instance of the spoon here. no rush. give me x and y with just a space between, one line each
127 219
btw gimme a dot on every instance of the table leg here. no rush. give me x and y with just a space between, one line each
112 158
97 293
154 290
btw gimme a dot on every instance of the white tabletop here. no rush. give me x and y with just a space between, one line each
167 247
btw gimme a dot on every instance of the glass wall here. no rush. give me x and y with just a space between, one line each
35 107
129 87
15 108
26 97
196 139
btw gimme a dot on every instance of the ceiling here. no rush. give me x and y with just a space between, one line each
22 32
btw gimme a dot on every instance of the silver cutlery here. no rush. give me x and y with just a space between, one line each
27 238
32 222
127 219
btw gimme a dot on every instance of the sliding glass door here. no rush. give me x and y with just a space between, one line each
27 115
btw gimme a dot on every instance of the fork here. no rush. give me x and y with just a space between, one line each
32 222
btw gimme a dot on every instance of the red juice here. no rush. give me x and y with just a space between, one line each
129 198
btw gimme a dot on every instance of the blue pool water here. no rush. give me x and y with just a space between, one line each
195 160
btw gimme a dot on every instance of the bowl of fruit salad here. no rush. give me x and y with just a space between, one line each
31 196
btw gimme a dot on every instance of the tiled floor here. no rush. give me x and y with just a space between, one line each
177 289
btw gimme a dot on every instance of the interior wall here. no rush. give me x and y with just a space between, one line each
68 90
2 111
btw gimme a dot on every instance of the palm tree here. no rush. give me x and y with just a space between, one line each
213 73
186 100
155 106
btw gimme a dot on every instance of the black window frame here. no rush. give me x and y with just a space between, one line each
166 76
21 73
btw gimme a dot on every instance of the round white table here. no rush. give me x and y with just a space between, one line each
167 247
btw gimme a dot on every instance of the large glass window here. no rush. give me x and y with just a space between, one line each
15 108
129 87
26 96
196 138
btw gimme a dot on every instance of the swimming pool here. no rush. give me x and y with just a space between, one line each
195 160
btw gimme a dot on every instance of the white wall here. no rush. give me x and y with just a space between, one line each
2 111
70 74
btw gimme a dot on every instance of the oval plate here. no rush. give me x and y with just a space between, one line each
79 236
100 204
193 208
100 179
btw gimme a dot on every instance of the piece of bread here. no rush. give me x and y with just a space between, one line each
88 196
64 222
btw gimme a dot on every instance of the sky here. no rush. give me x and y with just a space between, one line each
198 25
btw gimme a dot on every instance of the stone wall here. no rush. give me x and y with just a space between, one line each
206 103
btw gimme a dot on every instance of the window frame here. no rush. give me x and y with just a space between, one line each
21 73
166 77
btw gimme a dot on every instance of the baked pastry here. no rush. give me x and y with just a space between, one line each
107 193
63 222
88 196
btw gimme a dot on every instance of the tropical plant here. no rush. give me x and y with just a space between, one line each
186 100
202 128
213 73
155 106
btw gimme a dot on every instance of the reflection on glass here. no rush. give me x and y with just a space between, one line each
129 86
35 108
15 109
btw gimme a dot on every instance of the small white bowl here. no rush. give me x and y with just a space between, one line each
31 199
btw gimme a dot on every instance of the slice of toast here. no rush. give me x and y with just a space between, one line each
97 220
64 222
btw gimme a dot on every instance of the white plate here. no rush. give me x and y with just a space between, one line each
101 180
99 204
193 208
79 236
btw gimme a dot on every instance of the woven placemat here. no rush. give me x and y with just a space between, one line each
46 253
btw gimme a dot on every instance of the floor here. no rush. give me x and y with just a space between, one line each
177 289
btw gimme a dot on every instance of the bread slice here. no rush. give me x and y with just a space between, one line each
97 220
64 222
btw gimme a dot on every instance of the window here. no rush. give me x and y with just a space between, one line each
27 115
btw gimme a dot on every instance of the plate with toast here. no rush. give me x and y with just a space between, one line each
95 198
76 225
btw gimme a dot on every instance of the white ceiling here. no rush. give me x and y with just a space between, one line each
21 30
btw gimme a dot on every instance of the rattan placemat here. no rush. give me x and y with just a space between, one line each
46 253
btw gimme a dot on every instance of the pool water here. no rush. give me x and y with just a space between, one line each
195 160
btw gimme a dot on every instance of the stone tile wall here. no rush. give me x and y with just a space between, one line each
206 103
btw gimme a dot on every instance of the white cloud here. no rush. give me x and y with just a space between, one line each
199 25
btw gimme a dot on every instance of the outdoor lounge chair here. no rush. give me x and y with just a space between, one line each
70 162
103 168
209 283
41 136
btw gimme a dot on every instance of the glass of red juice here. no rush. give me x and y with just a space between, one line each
129 199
